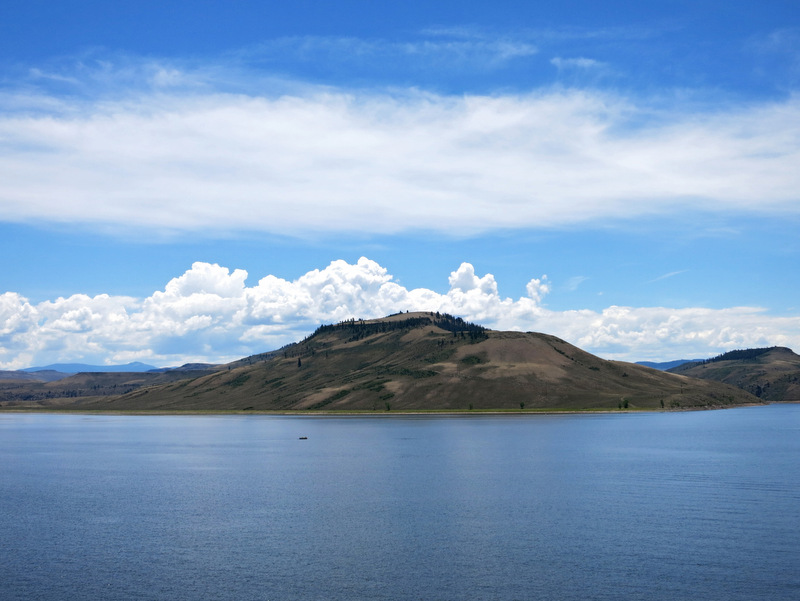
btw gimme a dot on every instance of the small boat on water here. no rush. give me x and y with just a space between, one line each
304 438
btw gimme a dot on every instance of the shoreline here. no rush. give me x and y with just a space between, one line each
383 414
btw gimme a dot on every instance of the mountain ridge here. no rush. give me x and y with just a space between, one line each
74 368
666 365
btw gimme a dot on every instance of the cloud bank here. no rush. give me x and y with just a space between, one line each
175 150
210 314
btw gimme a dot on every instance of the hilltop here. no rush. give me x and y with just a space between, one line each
423 361
771 374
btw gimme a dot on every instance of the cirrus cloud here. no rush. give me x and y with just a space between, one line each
196 156
210 314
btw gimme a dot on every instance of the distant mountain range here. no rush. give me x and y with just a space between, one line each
666 365
56 389
71 379
75 368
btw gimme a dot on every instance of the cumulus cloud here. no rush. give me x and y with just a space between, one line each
202 158
209 313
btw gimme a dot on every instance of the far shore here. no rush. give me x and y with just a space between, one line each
366 413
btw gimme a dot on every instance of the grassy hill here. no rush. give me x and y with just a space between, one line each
425 361
772 374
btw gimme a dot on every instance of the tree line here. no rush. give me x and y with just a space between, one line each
740 355
359 329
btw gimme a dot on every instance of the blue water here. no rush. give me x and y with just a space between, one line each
662 506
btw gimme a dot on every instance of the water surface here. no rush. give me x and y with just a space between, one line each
622 506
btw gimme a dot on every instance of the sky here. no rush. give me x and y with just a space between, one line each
202 181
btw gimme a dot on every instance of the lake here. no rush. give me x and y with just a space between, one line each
656 506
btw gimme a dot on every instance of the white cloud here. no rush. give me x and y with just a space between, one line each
435 49
666 276
574 282
576 63
333 160
210 314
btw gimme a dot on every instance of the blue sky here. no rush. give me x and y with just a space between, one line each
200 181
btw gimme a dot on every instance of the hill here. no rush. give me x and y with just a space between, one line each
44 375
771 374
187 367
425 361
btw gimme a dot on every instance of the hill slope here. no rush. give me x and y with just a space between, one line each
426 361
772 374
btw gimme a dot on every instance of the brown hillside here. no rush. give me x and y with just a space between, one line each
426 361
772 374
